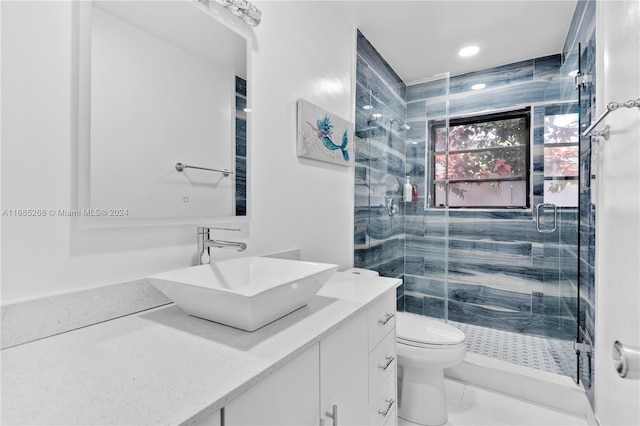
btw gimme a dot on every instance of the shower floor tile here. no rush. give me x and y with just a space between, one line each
520 349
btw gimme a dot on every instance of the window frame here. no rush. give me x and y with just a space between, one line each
433 125
551 110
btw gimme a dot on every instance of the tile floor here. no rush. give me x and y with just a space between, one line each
474 406
529 351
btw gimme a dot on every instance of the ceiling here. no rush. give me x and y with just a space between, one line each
421 38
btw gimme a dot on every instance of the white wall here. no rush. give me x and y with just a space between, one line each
618 211
304 50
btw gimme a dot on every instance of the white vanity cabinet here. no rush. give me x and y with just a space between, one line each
337 351
331 373
348 378
288 397
382 361
344 374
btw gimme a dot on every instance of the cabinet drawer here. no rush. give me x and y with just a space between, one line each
382 406
382 318
382 362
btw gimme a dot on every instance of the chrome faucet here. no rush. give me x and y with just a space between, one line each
205 243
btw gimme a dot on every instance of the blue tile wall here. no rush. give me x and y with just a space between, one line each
499 274
495 264
491 274
241 147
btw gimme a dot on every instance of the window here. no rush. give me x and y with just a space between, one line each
561 152
484 162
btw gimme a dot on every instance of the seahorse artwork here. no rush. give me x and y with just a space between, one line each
324 132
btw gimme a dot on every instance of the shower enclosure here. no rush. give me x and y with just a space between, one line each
506 273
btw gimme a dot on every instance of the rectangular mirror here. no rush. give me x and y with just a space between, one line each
160 84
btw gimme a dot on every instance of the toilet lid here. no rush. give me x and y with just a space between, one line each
418 329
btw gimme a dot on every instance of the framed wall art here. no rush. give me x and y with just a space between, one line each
324 136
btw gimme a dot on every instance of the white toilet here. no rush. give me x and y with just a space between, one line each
425 346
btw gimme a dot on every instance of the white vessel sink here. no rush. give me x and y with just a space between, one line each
246 293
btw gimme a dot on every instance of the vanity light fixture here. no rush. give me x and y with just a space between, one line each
468 51
243 9
478 86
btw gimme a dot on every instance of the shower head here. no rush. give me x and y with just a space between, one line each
401 126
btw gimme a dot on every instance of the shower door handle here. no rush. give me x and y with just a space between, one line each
555 218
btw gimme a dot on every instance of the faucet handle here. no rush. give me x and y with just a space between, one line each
205 242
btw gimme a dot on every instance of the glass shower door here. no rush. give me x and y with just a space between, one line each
379 174
556 211
427 222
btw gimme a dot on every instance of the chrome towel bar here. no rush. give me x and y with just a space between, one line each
181 166
611 106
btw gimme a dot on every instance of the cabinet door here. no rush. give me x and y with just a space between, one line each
344 373
289 397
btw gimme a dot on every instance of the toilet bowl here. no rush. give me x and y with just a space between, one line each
425 347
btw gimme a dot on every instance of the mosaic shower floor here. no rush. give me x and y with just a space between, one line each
525 350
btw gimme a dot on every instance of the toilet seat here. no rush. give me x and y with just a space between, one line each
425 332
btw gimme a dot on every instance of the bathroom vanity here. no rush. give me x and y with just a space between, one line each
330 362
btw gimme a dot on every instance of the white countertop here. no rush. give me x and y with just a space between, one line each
163 366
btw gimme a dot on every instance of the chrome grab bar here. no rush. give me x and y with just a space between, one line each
611 106
555 218
181 166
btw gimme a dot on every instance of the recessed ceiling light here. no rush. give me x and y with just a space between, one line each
573 73
377 115
468 51
367 107
478 86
